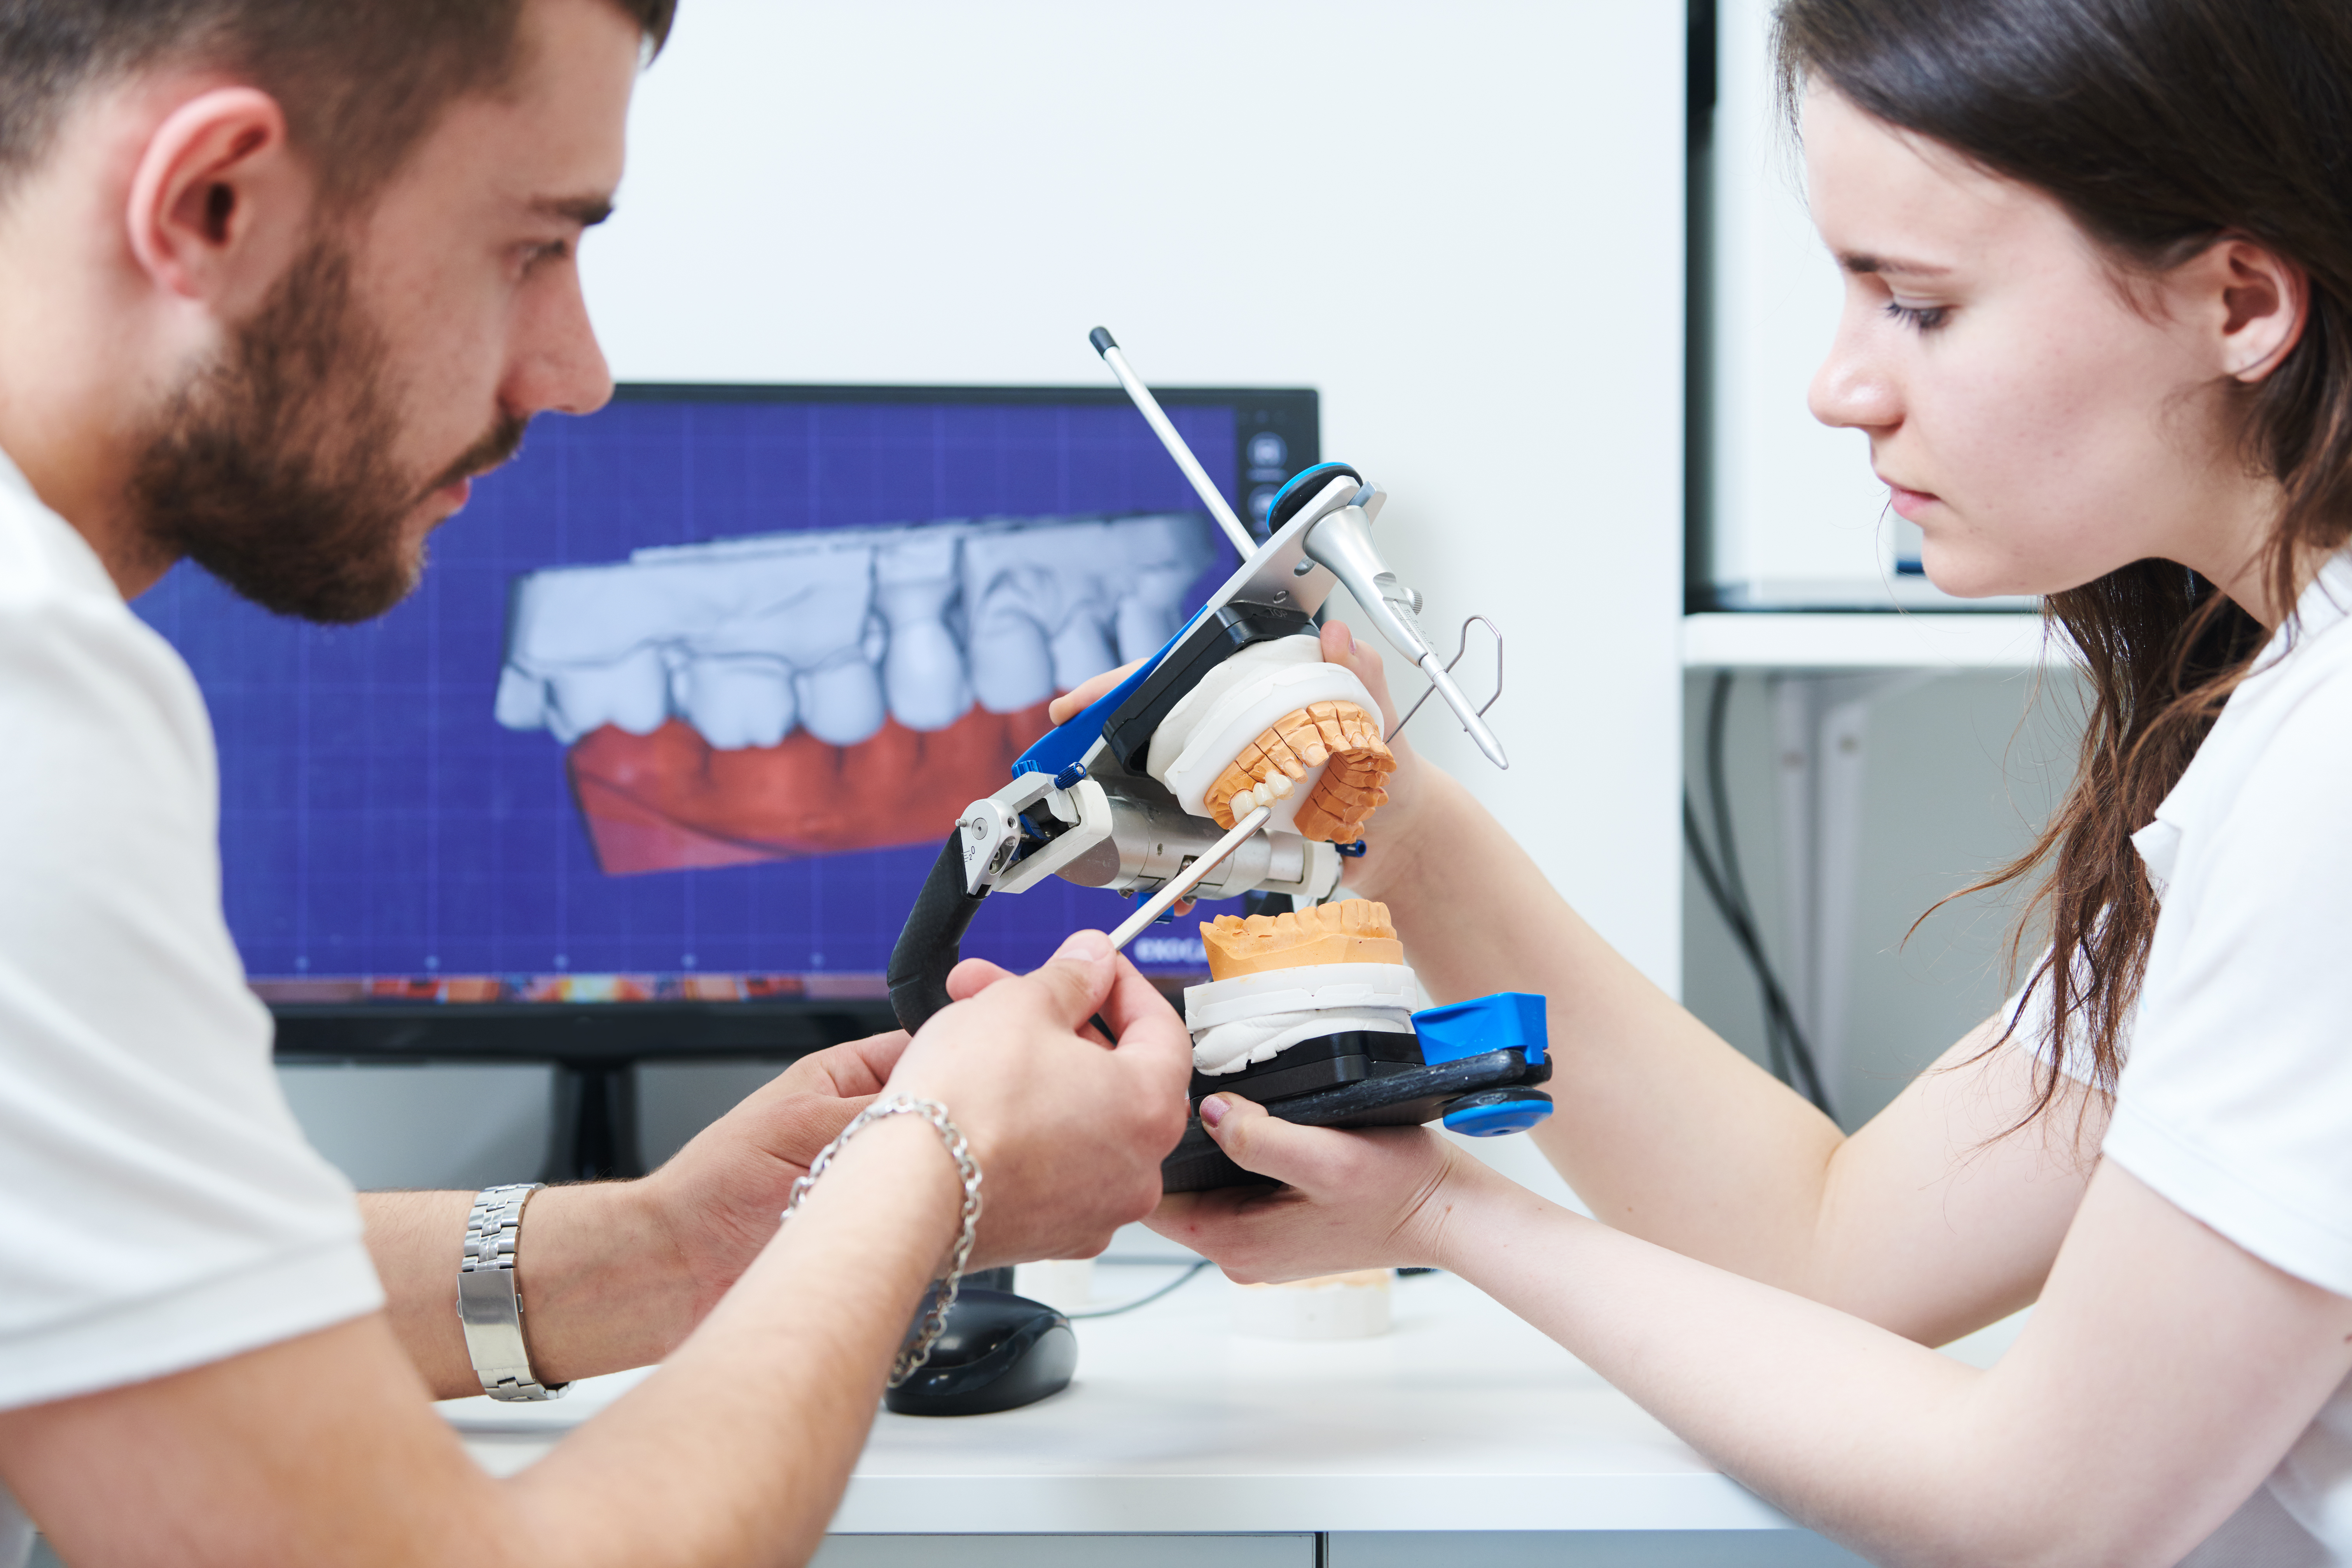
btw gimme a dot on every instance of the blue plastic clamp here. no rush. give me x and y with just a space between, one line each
1066 745
1508 1020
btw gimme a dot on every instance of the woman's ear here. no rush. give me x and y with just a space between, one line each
217 200
2262 300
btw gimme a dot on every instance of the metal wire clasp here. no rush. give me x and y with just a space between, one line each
1493 631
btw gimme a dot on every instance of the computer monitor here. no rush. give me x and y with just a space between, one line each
657 754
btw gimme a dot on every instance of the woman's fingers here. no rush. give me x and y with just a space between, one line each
1303 1157
1074 702
1340 647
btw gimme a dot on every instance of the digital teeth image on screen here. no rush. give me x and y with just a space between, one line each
820 691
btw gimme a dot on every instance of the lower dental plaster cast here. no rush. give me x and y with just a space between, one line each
808 692
1276 979
1275 726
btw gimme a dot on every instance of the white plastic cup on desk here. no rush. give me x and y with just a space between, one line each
1333 1306
1065 1284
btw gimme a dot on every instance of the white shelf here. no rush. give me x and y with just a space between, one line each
1868 641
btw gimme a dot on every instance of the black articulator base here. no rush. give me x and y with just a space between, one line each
1326 1063
998 1352
1383 1094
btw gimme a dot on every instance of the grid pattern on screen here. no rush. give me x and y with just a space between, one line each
376 820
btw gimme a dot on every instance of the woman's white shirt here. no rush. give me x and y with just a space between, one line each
159 1206
2235 1097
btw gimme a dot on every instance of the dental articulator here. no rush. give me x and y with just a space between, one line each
1236 760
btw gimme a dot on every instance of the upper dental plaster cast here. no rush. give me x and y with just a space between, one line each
1276 979
812 692
1275 726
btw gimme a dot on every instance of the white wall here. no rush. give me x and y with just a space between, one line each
1461 222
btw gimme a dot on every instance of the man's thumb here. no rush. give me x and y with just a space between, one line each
1079 977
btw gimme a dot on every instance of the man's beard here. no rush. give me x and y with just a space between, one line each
274 468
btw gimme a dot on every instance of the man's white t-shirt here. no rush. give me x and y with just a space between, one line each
2235 1099
159 1207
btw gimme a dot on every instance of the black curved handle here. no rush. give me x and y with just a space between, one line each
932 940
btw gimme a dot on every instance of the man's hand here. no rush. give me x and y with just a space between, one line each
719 1199
1070 1134
1378 1198
618 1272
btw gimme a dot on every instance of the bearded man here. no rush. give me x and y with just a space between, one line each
277 278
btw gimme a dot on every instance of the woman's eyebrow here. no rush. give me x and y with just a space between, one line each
1862 261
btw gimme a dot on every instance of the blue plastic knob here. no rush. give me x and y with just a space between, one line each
1494 1120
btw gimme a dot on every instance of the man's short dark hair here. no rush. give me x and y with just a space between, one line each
360 81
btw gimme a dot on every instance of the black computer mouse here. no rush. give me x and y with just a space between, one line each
998 1352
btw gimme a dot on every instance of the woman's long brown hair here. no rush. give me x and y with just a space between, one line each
2162 126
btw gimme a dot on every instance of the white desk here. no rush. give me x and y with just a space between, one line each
1462 1419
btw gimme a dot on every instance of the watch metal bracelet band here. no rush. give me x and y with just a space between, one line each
489 1308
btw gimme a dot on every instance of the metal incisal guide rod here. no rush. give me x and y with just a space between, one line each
1191 877
1341 543
1155 416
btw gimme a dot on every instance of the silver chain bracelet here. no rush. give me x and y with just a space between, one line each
967 1168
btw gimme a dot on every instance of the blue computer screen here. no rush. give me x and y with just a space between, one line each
693 689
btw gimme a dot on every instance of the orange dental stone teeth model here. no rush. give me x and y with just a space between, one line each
1351 931
1340 801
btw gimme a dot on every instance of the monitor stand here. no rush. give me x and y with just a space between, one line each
596 1122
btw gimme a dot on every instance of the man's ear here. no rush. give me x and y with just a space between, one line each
217 199
2264 301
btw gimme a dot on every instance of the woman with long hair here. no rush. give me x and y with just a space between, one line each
2098 271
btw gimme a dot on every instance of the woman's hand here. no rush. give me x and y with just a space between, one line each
1391 830
1378 1198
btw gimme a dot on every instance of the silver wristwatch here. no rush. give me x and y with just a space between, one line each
488 1305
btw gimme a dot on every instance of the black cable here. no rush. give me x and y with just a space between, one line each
1195 1267
1789 1054
1718 796
1788 1058
1728 913
1805 1075
1774 1005
1785 1041
1781 1018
